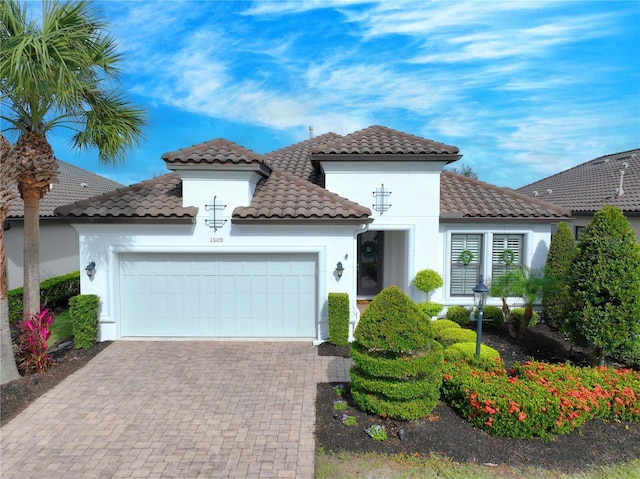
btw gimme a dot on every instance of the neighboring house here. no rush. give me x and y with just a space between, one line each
234 244
584 189
58 239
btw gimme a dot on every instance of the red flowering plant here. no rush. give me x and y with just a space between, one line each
540 399
31 344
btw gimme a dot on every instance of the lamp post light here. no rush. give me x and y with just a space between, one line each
480 293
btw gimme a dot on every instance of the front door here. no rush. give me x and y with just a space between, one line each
370 260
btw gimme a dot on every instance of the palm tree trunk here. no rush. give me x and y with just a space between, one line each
31 301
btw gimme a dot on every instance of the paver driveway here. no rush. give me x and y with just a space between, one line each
176 409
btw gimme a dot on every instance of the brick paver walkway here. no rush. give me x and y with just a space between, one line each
152 409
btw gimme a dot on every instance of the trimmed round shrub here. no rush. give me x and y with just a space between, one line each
397 371
467 351
430 309
493 314
450 336
459 314
517 314
440 324
427 280
392 321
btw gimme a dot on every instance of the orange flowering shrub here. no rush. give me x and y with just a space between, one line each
539 399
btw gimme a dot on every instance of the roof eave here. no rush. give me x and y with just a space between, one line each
317 158
458 218
301 221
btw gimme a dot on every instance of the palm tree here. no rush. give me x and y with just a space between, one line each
60 71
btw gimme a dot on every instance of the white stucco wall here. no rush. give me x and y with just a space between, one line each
104 244
412 220
58 251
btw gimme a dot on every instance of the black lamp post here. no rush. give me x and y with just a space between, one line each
480 293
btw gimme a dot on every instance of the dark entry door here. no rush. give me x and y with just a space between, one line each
370 260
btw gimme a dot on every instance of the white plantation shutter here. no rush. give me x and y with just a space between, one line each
465 277
500 244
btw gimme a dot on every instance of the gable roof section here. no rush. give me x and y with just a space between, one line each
73 184
464 198
587 187
284 197
155 200
382 143
213 154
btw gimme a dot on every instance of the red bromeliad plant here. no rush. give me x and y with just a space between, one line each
31 344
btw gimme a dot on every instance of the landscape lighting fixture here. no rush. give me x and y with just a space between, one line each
480 293
91 269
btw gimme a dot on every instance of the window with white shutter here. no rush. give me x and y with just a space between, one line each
506 254
466 259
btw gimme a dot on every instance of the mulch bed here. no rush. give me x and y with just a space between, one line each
446 434
17 395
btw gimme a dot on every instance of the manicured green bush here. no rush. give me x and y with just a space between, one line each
459 314
427 280
397 363
540 399
450 336
430 309
338 311
54 294
493 314
556 302
517 315
467 351
604 281
440 324
83 310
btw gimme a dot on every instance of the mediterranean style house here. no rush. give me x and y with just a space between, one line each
58 239
236 244
584 189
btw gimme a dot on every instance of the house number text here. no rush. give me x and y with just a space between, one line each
215 240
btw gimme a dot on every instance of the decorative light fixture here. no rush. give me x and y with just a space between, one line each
382 199
91 269
339 269
480 293
216 208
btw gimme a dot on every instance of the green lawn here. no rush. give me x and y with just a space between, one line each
355 466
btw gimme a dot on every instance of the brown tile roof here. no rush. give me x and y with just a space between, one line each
380 140
293 191
462 197
219 151
156 199
284 196
589 186
296 158
73 184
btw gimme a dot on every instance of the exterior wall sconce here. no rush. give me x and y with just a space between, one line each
91 269
382 199
339 269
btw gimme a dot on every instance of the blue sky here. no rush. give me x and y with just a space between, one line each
524 89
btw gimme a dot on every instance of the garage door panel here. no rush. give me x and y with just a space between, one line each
226 295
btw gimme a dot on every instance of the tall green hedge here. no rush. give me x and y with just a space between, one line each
397 370
83 310
54 293
605 285
338 310
556 295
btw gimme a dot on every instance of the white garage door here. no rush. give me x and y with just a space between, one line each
218 295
